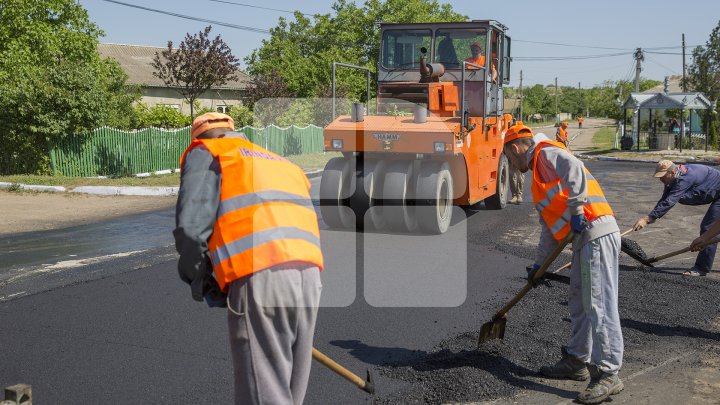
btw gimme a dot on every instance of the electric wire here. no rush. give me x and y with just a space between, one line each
261 8
663 66
187 17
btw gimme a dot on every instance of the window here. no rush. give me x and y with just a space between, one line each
401 48
221 108
452 46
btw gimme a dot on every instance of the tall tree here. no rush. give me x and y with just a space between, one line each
196 65
53 82
704 76
302 50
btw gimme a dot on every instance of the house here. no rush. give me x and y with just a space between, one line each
136 61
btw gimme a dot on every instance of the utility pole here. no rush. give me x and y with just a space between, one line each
521 97
638 58
557 113
684 66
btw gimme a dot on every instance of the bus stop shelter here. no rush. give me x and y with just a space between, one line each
639 102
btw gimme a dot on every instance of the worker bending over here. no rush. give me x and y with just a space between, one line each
244 214
569 199
562 134
688 185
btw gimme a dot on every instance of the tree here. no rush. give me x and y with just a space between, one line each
196 65
53 82
301 51
704 76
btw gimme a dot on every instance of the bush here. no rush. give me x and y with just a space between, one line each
161 116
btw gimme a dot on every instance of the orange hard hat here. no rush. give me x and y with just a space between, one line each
517 131
209 121
564 124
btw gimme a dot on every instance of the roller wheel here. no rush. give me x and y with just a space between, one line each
366 200
398 195
336 187
499 200
434 197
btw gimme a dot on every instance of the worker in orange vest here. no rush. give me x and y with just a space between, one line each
569 199
244 215
562 134
580 120
476 56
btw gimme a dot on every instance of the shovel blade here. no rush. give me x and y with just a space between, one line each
492 330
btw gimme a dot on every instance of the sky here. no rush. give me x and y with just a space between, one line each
587 27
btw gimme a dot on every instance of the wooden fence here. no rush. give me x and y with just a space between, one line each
112 152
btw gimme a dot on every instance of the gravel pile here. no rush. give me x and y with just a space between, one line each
662 315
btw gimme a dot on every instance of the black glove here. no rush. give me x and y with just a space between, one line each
531 271
214 297
578 223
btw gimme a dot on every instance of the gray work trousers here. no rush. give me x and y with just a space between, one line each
593 302
517 182
271 339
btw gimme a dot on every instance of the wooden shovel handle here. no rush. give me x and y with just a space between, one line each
567 265
338 369
538 274
681 251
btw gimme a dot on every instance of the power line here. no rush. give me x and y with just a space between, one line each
187 17
571 45
662 66
260 7
569 57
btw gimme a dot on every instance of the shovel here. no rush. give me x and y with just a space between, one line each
654 259
365 385
553 275
495 329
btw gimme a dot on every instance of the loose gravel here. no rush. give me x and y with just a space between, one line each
662 314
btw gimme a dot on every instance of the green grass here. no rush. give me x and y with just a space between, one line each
313 161
540 124
310 161
604 138
167 180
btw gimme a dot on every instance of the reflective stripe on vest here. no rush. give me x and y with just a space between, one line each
265 217
550 199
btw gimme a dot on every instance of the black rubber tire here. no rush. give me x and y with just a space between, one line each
336 187
499 200
367 199
398 196
434 202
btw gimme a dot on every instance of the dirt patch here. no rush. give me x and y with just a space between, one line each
27 212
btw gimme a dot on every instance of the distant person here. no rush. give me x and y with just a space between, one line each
446 54
688 185
580 120
562 134
248 240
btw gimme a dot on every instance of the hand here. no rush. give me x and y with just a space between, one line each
642 223
214 297
578 223
531 271
697 244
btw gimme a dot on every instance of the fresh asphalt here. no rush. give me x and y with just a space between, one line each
84 324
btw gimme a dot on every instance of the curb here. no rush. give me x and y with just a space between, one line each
617 159
113 190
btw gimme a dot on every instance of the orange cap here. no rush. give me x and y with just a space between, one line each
564 124
209 121
517 131
476 44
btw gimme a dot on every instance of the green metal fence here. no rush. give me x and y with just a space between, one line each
108 151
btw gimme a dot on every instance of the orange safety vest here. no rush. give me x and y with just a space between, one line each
550 199
480 61
265 217
580 119
561 134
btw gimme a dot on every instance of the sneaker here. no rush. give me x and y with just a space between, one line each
568 367
695 272
600 388
519 199
513 200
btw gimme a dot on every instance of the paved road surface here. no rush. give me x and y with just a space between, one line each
124 330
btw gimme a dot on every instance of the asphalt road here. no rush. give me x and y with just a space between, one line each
123 329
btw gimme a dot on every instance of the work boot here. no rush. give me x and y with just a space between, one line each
569 367
601 386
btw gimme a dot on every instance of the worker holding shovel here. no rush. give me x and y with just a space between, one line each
691 184
248 240
569 199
